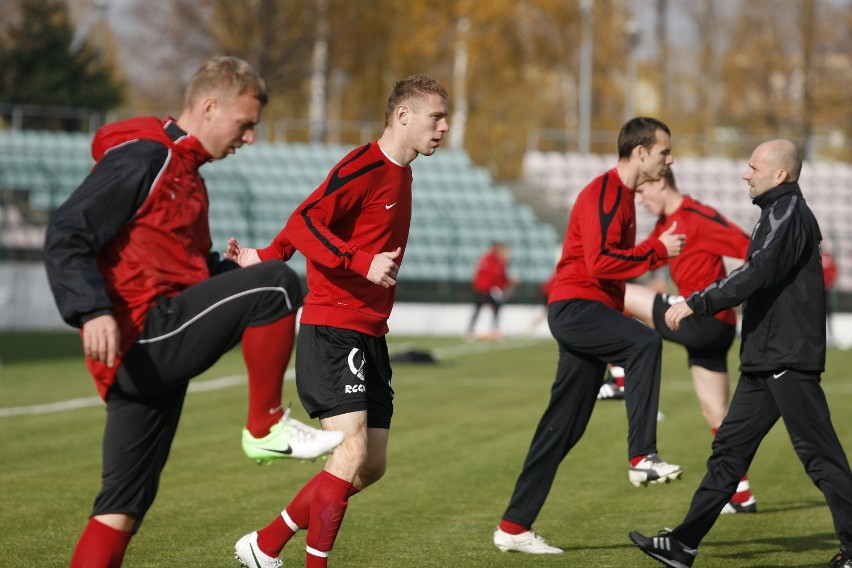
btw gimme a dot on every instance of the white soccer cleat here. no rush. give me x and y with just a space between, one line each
290 438
652 470
527 542
250 556
731 508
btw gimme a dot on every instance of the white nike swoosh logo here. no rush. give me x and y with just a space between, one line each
389 206
776 375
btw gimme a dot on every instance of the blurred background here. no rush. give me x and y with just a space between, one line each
538 91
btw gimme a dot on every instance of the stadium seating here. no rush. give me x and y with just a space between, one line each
458 209
717 182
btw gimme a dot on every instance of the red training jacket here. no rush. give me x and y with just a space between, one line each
135 229
490 273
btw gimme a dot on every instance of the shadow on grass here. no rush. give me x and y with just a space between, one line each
820 548
792 506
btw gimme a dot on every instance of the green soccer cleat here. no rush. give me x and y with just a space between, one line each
290 438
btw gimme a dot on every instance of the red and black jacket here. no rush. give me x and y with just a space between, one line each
135 229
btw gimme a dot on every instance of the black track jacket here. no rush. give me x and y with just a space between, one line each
780 286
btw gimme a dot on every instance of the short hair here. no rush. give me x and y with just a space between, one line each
414 89
227 76
639 131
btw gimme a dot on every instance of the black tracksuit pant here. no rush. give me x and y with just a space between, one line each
184 335
590 335
758 402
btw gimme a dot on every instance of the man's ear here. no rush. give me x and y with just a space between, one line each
401 114
208 107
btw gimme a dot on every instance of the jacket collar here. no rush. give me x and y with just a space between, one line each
186 143
789 188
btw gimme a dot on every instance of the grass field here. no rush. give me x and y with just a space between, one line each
459 436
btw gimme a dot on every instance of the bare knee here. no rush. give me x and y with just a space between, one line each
369 474
118 521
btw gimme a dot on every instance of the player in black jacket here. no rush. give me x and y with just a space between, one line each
782 356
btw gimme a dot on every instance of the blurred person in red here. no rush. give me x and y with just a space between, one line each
491 283
829 273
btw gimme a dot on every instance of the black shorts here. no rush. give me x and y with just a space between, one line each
707 339
341 370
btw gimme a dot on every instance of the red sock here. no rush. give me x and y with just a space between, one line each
327 509
266 351
635 460
272 538
100 546
512 528
743 493
617 373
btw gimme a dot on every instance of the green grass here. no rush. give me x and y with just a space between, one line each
459 437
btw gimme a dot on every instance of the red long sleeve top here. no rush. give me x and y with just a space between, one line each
599 252
709 238
361 209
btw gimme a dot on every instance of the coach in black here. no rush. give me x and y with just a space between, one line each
781 359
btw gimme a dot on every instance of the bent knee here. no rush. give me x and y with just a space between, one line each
650 339
276 273
370 474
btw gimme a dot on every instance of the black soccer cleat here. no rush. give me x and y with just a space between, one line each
665 549
841 560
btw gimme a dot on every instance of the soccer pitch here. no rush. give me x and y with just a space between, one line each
459 436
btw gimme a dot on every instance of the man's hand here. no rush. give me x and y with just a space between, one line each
676 313
674 243
101 339
244 256
383 269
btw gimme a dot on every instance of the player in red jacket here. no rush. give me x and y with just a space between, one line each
491 282
585 314
129 261
353 230
710 238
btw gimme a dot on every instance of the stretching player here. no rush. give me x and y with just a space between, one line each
129 262
709 238
585 314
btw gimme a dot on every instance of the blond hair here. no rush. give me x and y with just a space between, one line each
413 90
228 77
